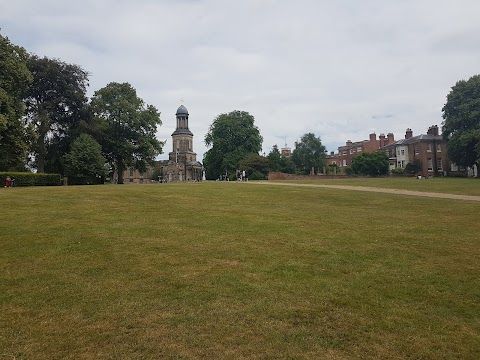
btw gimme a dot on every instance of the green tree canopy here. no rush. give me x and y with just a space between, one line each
461 125
370 163
287 165
230 137
55 100
85 158
129 127
255 163
309 154
274 159
14 80
278 162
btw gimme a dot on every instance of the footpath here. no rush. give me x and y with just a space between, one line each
375 190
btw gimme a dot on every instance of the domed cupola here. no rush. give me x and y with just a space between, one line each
182 110
182 121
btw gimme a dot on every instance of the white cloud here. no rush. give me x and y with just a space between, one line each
341 69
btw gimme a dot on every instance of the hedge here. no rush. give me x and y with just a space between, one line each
30 179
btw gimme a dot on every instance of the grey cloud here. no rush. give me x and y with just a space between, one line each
300 66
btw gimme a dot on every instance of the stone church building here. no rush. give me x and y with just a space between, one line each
182 164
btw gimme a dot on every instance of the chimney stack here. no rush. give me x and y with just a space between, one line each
408 133
382 140
433 130
390 138
349 142
373 137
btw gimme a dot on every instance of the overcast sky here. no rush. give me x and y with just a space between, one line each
341 69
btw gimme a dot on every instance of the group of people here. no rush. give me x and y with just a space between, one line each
241 176
9 182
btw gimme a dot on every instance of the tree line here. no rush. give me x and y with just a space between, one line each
235 144
48 124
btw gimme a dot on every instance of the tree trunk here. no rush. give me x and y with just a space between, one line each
41 155
42 132
120 170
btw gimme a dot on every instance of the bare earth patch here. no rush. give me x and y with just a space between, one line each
376 190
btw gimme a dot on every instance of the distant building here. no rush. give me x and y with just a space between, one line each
182 164
345 153
286 151
430 149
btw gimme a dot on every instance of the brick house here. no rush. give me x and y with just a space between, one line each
430 149
345 153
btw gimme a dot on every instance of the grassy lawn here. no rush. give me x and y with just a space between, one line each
462 186
232 271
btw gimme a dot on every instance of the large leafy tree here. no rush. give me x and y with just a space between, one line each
461 126
129 127
370 164
230 137
85 158
14 80
309 154
55 101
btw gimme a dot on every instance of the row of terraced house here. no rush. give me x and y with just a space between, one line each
430 149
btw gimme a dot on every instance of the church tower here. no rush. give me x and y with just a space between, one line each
182 139
182 164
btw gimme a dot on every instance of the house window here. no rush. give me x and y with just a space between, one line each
403 164
439 164
344 153
416 149
131 171
429 147
359 149
334 162
439 148
398 152
429 164
351 151
402 151
344 163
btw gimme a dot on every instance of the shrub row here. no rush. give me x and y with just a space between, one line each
30 179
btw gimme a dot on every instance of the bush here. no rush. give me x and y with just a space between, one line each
413 167
31 179
257 175
397 171
370 163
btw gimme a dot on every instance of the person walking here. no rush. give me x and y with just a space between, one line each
8 182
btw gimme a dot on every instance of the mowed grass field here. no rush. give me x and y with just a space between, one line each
237 271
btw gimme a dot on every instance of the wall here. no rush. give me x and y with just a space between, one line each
283 176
